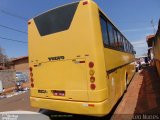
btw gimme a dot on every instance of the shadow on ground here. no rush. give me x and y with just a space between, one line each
149 95
65 116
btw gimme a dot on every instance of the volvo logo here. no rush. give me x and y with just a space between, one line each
56 58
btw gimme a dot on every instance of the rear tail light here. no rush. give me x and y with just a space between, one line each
91 72
85 2
81 61
91 64
29 22
32 80
91 105
31 77
31 74
92 79
30 69
93 86
32 85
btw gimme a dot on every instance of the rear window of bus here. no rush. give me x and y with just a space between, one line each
56 20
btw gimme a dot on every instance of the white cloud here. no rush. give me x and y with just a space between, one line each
137 42
138 29
140 46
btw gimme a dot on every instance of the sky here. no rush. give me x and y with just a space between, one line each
131 17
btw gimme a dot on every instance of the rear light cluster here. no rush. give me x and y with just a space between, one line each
85 2
29 22
92 78
31 77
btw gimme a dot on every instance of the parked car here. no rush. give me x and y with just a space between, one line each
141 62
21 77
1 87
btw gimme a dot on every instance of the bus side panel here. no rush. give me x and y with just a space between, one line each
101 91
119 75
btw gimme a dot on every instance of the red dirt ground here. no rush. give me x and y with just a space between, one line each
142 97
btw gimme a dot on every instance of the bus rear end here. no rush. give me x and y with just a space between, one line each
66 60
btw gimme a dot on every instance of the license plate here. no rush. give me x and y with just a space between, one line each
58 93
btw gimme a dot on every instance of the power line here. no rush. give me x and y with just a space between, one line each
14 15
13 29
9 39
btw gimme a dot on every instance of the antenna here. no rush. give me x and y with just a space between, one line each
152 23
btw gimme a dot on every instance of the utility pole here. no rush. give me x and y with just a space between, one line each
152 23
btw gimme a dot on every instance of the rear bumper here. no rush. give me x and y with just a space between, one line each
95 108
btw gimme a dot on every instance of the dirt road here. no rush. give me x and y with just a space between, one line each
18 102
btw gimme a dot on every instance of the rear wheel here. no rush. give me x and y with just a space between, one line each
46 112
43 111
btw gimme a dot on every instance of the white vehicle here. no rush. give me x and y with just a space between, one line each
1 87
21 77
142 61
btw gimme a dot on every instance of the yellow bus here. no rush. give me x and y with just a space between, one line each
79 61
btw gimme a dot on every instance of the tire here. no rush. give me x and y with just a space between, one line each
47 112
42 110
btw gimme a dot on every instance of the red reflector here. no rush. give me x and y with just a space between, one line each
85 3
32 85
91 64
29 23
91 105
93 86
31 74
82 61
30 69
31 79
92 79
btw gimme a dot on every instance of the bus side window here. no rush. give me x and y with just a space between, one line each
132 50
121 42
129 48
116 38
104 31
111 36
125 45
